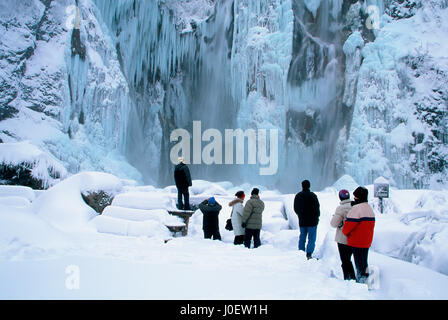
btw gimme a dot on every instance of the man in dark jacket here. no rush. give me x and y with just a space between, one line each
306 206
182 178
210 223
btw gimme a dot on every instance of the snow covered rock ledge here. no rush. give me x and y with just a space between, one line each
25 164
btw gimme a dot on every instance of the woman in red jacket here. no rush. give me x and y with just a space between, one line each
358 228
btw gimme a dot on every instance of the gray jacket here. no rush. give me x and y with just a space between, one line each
255 207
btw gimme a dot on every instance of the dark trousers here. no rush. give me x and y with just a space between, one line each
212 233
238 240
252 233
345 252
183 192
361 255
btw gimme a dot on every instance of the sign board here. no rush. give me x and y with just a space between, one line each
381 190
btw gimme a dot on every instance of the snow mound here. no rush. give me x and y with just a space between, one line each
143 200
413 228
43 166
23 235
17 191
17 202
346 182
273 217
63 206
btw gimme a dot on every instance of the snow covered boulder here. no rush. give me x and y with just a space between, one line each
23 163
63 205
97 200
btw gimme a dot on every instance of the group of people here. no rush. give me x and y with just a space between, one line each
246 220
354 221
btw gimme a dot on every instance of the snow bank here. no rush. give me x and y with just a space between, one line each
43 166
17 191
123 227
63 206
273 217
414 228
23 235
18 202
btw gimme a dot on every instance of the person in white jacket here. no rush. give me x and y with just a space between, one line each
237 217
337 221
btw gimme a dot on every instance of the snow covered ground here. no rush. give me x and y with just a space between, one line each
50 247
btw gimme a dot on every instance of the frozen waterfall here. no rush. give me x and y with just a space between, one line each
274 64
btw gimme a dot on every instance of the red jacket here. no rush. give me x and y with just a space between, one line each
359 226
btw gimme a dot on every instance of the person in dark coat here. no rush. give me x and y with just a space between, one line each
182 178
307 208
210 223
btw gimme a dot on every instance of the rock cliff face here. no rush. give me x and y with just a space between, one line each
353 87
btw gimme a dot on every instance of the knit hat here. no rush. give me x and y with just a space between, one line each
344 195
361 193
212 200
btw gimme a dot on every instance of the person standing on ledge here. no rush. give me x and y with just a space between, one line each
182 178
307 208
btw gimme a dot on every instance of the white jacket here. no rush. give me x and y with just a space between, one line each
338 219
237 219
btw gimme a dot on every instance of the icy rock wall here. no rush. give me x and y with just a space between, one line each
62 87
344 97
400 107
